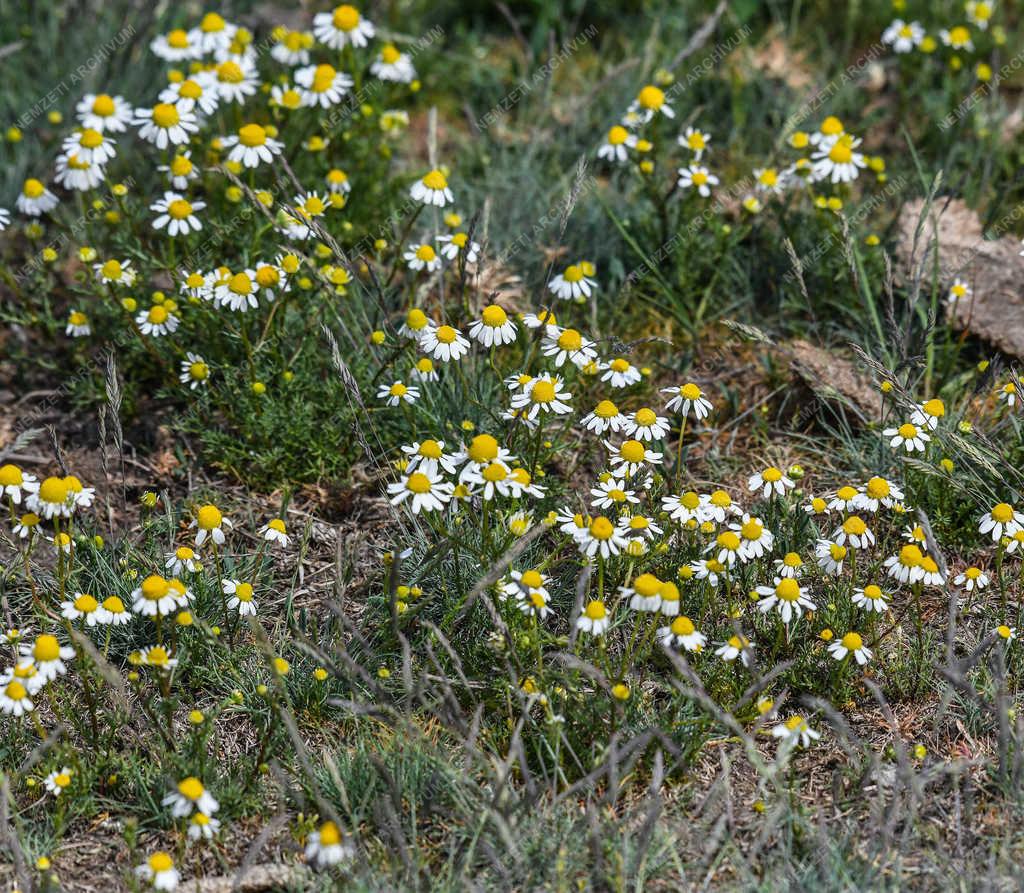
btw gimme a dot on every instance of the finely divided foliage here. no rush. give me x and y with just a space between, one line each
571 617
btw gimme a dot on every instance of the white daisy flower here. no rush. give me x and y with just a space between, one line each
397 393
686 398
175 46
620 373
444 343
176 214
907 435
681 633
697 177
251 146
837 162
902 36
432 189
572 283
341 27
241 599
851 643
646 424
605 417
105 113
796 730
393 65
616 143
770 480
786 596
35 199
165 124
323 85
159 871
696 141
568 345
189 795
157 321
422 257
425 492
77 175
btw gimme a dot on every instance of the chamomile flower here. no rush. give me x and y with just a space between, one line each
958 291
195 371
768 179
341 27
428 456
81 605
237 291
534 602
958 37
644 594
594 618
650 101
796 730
830 556
113 612
770 480
48 655
432 189
979 12
631 456
620 373
681 633
445 343
877 492
786 596
1001 520
181 560
851 643
75 174
838 162
181 171
165 125
736 647
646 424
323 85
422 257
397 393
188 795
198 91
756 540
715 506
871 598
458 243
241 597
909 436
176 46
308 208
687 398
210 523
35 199
616 143
972 578
158 871
846 499
25 525
155 597
572 284
203 827
15 699
568 344
696 141
727 548
612 492
855 532
708 569
274 532
1006 633
58 781
176 214
907 566
600 537
682 509
325 846
697 177
1008 394
393 65
425 492
236 79
543 394
902 36
932 575
251 146
157 656
604 417
493 327
416 324
14 482
285 97
52 499
157 321
90 145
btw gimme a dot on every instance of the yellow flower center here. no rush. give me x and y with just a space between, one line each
645 417
252 135
494 316
230 72
191 787
570 339
103 105
198 371
430 449
435 180
244 592
633 451
425 253
854 526
752 530
721 499
910 556
165 115
650 97
398 389
179 209
155 588
323 78
601 528
345 17
935 408
853 641
572 274
390 55
907 431
840 153
543 391
16 691
86 603
91 139
46 648
53 491
1002 513
683 626
418 483
160 862
728 540
532 579
178 39
788 590
483 448
209 517
595 610
617 135
445 334
10 476
606 410
240 284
